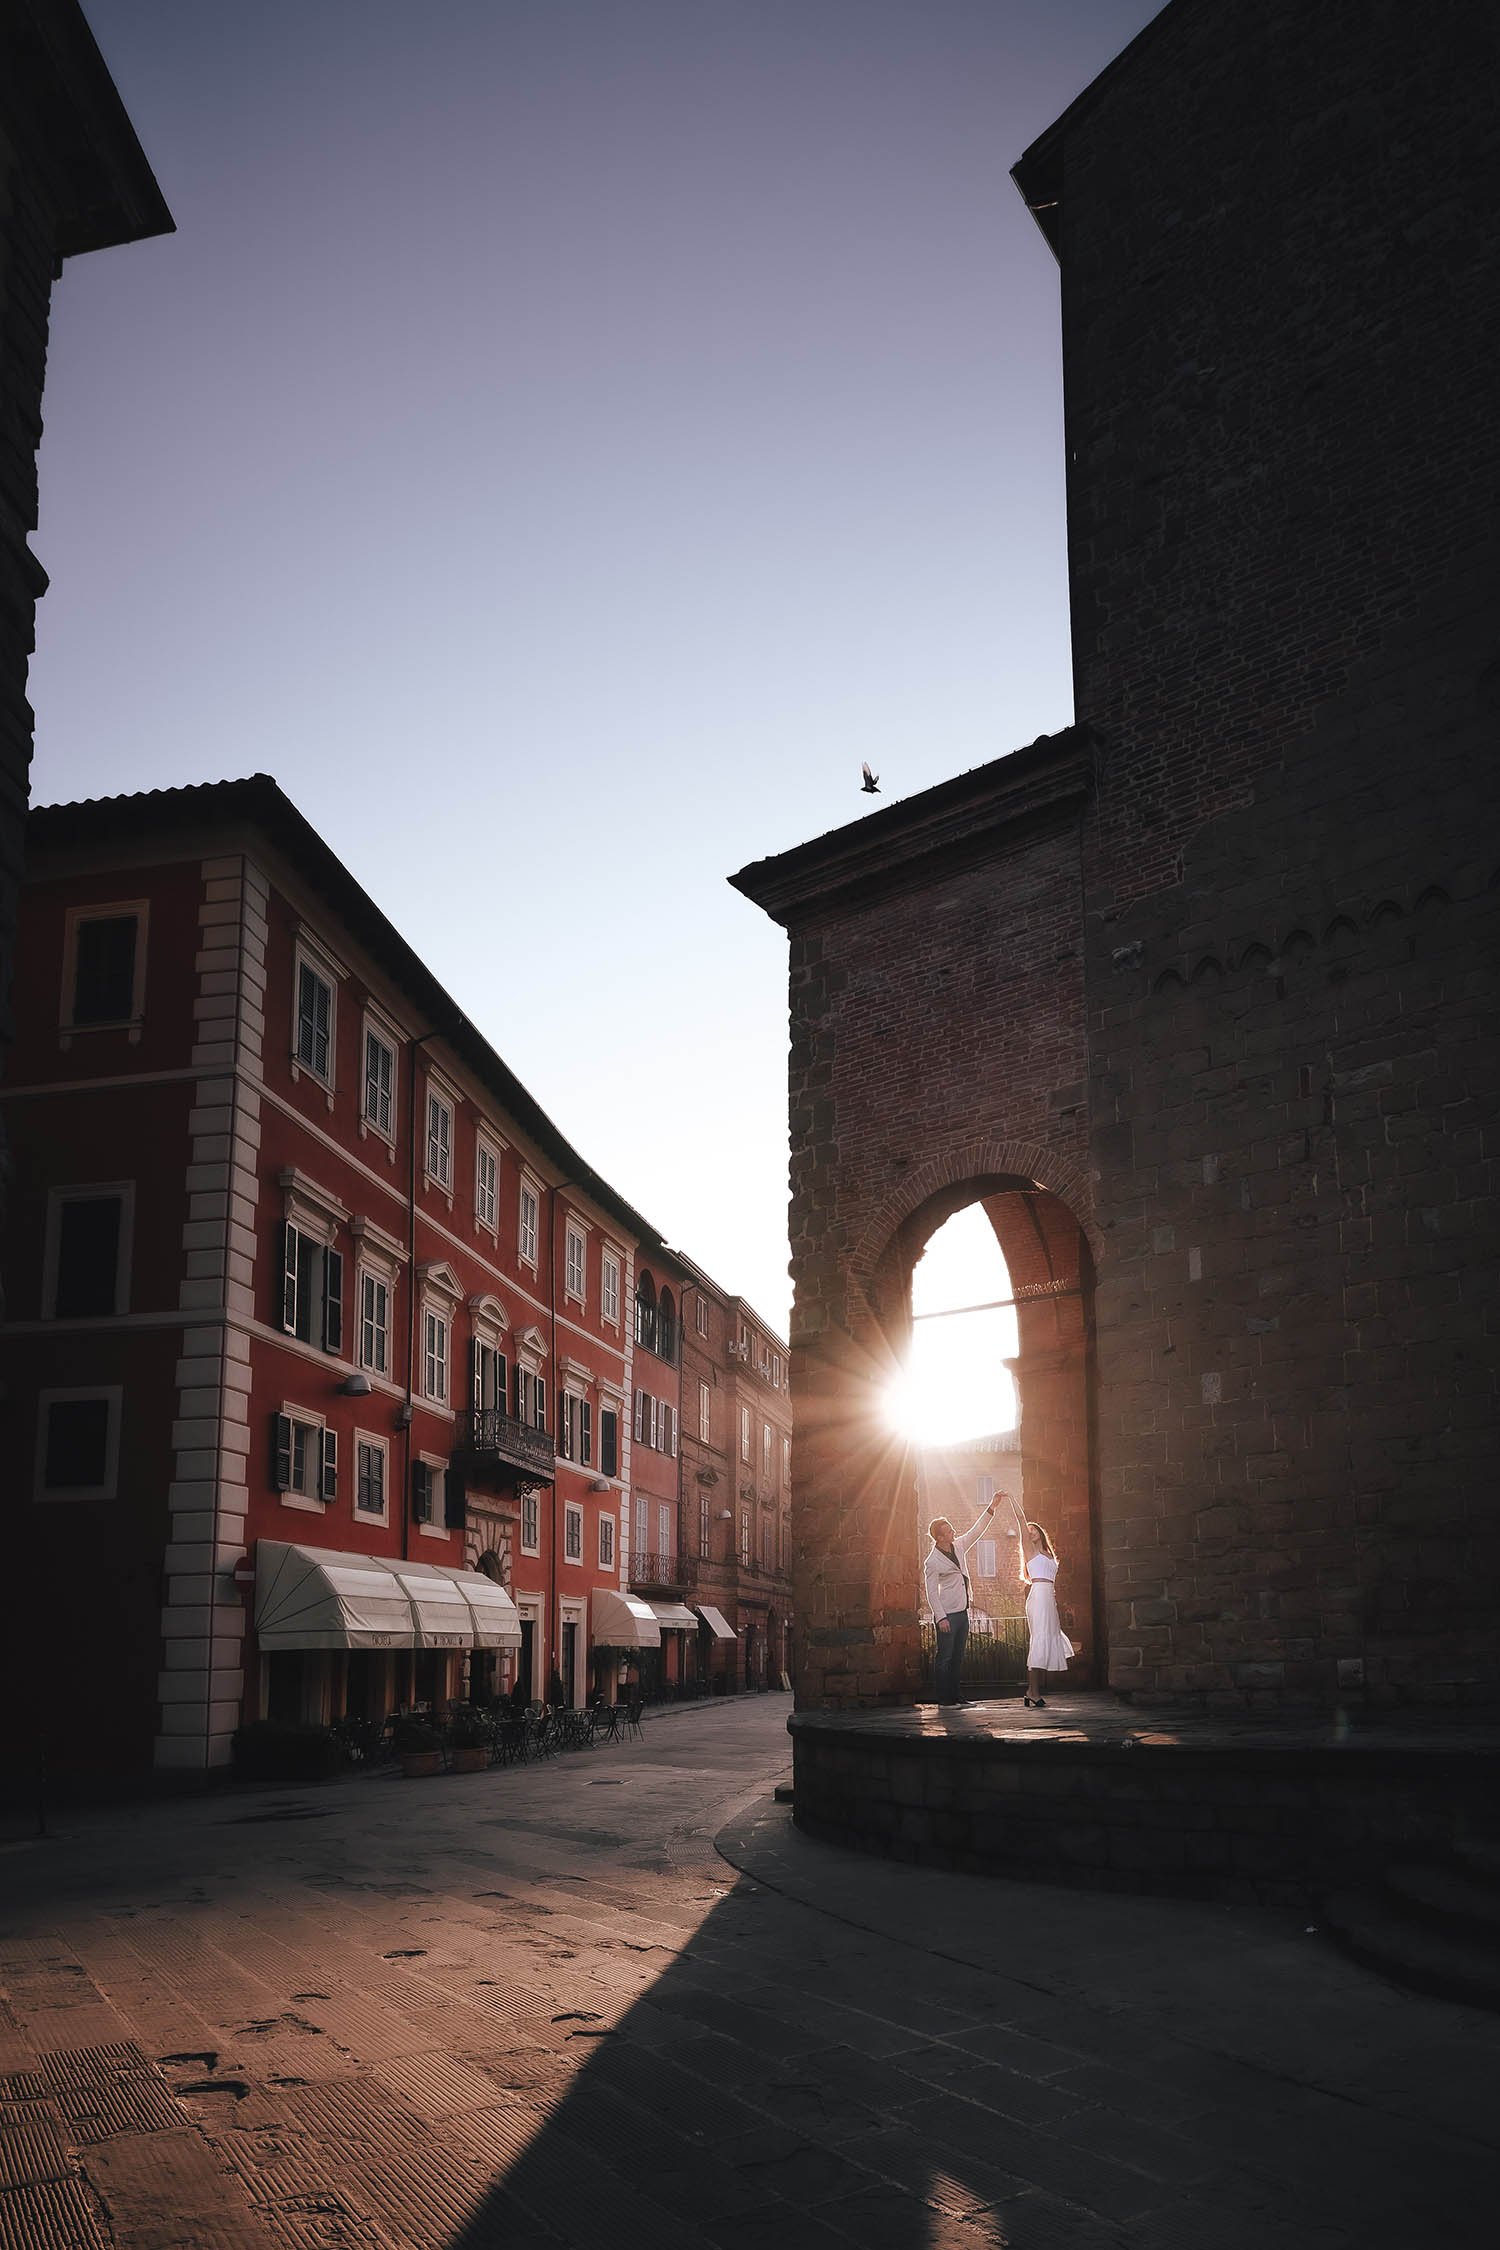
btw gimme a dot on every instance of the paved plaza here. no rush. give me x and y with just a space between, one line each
616 2000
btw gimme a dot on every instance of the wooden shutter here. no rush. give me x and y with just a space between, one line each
609 1442
333 1301
476 1389
288 1263
421 1492
281 1452
585 1432
328 1466
455 1501
541 1402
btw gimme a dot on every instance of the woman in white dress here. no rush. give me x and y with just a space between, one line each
1049 1648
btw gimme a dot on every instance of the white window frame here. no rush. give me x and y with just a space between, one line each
985 1558
486 1151
306 956
705 1413
375 1444
575 1263
572 1529
368 1275
666 1530
745 1453
786 1463
608 1544
307 1418
374 1029
103 910
700 1313
530 1502
528 1233
767 1451
78 1192
109 1486
437 1350
437 1469
439 1175
610 1273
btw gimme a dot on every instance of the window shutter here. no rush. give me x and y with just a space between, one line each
333 1301
476 1395
328 1474
456 1501
640 1417
281 1452
672 1421
586 1433
520 1408
502 1381
609 1443
541 1402
289 1280
421 1492
654 1436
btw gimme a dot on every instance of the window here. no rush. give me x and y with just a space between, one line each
668 1429
78 1444
609 1289
666 1529
380 1084
768 1544
375 1323
527 1230
984 1559
106 963
304 1456
488 1378
609 1442
745 1548
666 1328
606 1542
575 1428
531 1398
86 1265
369 1476
645 1313
531 1524
778 1370
429 1493
435 1355
744 1433
572 1531
439 1142
573 1268
705 1520
767 1454
786 1464
314 1048
705 1412
702 1313
312 1290
486 1187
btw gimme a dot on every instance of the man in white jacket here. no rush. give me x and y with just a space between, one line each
948 1598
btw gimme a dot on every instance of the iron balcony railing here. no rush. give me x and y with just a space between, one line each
492 1439
653 1569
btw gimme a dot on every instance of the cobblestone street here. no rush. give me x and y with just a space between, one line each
615 1999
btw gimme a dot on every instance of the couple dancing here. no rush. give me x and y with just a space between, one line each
948 1598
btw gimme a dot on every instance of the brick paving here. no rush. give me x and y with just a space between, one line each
618 1999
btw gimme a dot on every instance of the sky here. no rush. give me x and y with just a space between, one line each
562 440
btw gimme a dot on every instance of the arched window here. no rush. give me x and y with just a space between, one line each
666 1327
645 1312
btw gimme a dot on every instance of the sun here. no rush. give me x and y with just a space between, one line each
955 1384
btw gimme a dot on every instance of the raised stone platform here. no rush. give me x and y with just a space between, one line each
1092 1790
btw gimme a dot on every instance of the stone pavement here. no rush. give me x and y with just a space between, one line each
538 2006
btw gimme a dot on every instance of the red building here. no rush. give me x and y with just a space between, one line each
337 1379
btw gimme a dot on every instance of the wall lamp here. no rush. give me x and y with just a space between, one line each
354 1386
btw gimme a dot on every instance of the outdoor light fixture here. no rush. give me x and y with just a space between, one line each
355 1386
726 1515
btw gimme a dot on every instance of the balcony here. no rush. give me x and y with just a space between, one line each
494 1444
656 1572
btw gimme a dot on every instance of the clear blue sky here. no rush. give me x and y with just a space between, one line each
563 438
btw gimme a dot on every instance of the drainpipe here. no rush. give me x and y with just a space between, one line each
551 1646
406 1412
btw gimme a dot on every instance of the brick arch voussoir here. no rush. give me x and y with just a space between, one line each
974 1160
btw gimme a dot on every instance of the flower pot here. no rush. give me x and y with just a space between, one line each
469 1761
415 1763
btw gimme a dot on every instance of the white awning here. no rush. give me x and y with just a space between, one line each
623 1621
717 1623
673 1617
443 1618
326 1597
316 1597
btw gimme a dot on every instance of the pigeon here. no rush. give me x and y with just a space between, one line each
871 782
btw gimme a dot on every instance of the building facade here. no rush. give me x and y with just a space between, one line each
304 1289
1197 996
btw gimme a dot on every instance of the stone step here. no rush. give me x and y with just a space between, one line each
1449 1899
1411 1953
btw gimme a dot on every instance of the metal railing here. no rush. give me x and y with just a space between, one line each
488 1434
651 1568
996 1659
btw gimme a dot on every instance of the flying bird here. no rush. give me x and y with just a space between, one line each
871 782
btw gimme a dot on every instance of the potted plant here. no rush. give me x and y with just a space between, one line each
469 1741
419 1747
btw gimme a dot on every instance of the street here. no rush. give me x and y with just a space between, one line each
541 2005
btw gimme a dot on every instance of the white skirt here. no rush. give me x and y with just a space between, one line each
1050 1647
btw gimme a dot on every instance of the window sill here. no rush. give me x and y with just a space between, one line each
304 1501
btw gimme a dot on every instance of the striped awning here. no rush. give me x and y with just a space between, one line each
328 1597
623 1621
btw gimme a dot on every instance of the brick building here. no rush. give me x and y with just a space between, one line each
959 1481
337 1379
1213 1039
72 179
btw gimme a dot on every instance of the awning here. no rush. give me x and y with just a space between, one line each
315 1597
623 1621
673 1617
717 1623
326 1597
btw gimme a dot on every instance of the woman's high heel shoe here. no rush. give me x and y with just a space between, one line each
1035 1703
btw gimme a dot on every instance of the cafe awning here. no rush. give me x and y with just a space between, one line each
717 1623
673 1617
326 1597
623 1621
